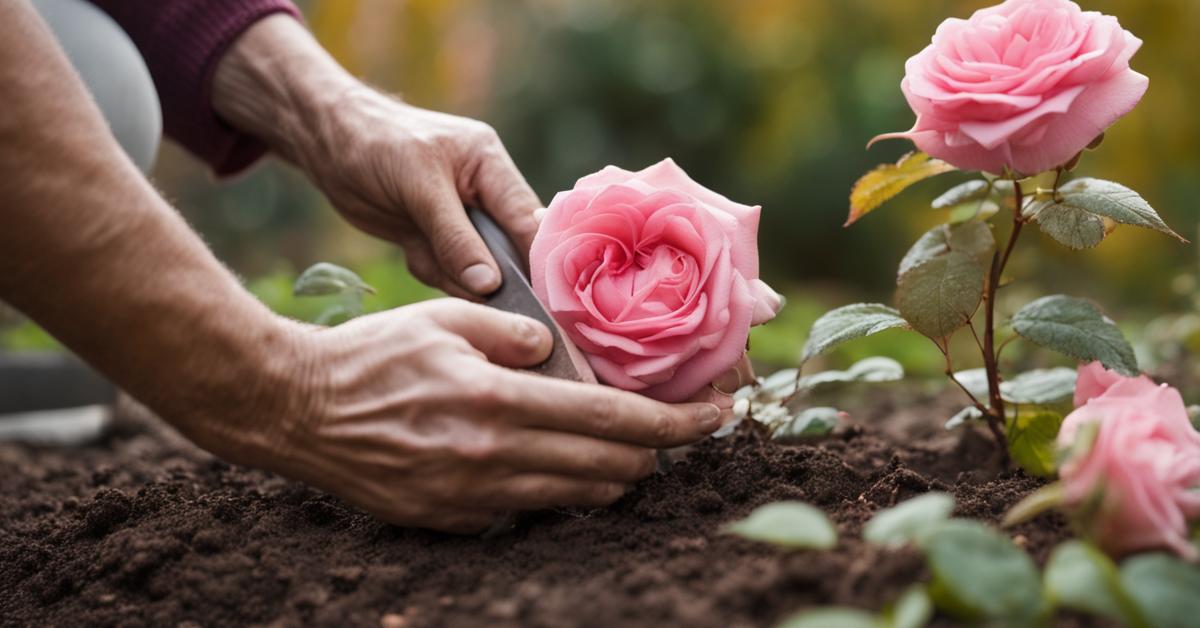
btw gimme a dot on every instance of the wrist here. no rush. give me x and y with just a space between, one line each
276 83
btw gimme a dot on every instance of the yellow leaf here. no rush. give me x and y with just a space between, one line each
888 180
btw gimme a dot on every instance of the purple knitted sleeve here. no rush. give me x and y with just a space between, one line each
182 41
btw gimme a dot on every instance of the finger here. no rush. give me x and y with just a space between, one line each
419 259
505 338
532 491
506 195
574 455
608 413
456 244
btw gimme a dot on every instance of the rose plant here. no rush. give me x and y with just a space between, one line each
1016 92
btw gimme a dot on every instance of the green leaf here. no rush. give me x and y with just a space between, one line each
1045 498
325 279
810 423
980 574
833 617
793 525
888 180
872 370
974 239
1115 202
1040 386
848 323
1166 589
908 521
914 609
1031 440
972 210
967 414
940 295
975 381
961 193
1076 328
1080 577
1074 227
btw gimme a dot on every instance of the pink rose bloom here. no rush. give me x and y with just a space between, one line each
1142 473
1027 84
653 276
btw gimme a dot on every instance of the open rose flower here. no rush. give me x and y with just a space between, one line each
1027 84
1141 474
653 276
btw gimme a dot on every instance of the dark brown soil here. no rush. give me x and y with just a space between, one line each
146 530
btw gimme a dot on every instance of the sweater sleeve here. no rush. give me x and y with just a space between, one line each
182 41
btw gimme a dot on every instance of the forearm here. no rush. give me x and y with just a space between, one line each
277 83
91 252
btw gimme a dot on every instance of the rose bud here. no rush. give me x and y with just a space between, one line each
1025 85
653 276
1136 485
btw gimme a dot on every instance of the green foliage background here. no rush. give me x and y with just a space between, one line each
767 101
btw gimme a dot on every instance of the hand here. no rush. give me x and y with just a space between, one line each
393 170
413 417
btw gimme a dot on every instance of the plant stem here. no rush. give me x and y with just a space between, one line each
995 415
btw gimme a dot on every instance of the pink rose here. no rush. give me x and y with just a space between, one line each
653 276
1027 84
1142 473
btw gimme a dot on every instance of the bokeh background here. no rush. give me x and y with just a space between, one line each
770 102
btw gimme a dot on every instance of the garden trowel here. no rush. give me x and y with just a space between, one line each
52 399
516 295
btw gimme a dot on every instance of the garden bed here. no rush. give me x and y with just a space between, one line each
146 529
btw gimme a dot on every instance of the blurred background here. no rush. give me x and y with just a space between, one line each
769 102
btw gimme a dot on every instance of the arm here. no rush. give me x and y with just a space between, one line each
408 414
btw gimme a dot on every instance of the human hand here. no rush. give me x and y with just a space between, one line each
412 416
394 170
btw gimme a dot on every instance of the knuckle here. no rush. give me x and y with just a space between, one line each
662 427
605 415
481 446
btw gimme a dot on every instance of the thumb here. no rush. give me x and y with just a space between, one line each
505 338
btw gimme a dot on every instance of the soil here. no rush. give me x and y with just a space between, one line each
144 529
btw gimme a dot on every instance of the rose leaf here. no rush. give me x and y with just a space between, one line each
848 323
907 521
1031 440
969 191
974 239
1080 577
1115 202
790 524
1076 328
940 295
326 279
914 609
1071 226
834 617
888 180
979 574
1164 589
810 423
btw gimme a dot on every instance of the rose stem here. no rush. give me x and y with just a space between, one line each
995 416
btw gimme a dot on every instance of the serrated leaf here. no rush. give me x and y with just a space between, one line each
1076 328
326 279
973 239
1116 202
1040 386
967 414
961 193
1031 440
888 180
914 609
1071 226
1045 498
980 574
848 323
940 295
810 423
791 524
1080 577
833 617
908 521
1164 589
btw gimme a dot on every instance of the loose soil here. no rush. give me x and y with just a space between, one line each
144 529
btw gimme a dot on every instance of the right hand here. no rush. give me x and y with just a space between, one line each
415 419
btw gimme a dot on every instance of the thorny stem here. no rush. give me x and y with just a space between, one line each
995 412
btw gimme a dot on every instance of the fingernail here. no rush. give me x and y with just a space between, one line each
780 301
480 278
539 214
709 417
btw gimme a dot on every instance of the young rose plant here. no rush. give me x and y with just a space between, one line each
1016 92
